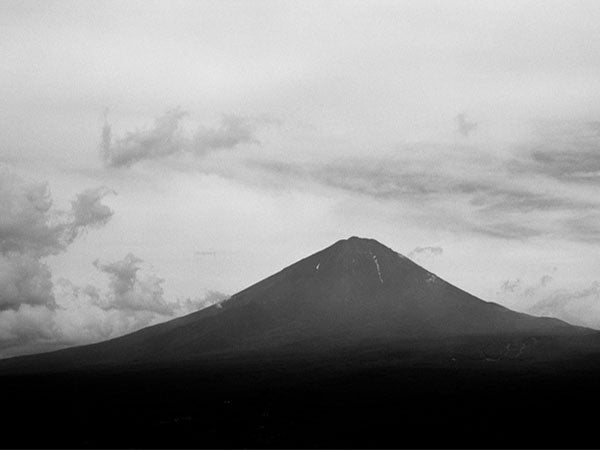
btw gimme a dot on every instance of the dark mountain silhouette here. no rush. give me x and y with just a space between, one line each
353 292
353 346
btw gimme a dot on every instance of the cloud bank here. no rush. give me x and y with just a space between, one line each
36 314
31 230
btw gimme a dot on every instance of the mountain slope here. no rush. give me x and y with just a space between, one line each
355 291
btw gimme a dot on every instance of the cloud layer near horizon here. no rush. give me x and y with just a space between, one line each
33 316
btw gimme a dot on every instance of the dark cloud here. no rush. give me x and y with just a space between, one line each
167 137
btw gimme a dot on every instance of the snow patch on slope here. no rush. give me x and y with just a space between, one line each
378 268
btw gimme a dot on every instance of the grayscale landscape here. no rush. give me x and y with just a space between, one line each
277 224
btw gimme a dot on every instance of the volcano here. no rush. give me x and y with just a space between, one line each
353 346
354 292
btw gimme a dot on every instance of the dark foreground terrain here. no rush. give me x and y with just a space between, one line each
451 393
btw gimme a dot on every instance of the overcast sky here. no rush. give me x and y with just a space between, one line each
158 156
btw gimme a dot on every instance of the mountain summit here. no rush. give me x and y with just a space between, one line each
355 291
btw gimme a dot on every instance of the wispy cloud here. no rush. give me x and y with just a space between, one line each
529 290
566 151
205 253
510 285
167 137
578 306
475 195
421 253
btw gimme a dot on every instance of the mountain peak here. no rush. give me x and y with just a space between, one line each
357 240
362 245
357 256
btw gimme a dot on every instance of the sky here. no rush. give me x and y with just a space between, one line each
158 156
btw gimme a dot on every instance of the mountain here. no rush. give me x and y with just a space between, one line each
354 346
354 292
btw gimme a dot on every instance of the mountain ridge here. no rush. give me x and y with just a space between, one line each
356 290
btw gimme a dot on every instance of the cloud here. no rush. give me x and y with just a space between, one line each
24 280
128 292
421 253
88 210
584 227
507 230
234 130
510 285
28 223
518 286
19 329
86 314
423 181
464 125
167 137
131 293
566 151
578 306
38 315
31 230
189 305
469 193
205 253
